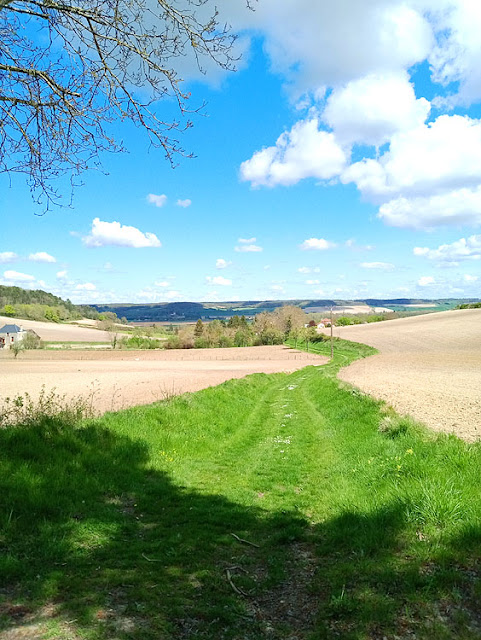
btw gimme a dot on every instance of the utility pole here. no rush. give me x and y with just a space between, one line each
332 346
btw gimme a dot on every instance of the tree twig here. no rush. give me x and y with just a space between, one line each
252 544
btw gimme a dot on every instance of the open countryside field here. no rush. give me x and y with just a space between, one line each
428 366
277 507
118 379
50 331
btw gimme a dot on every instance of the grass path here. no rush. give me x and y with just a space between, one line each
279 506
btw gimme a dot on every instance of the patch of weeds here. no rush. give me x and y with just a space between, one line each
49 408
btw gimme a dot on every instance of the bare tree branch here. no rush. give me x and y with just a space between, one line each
106 60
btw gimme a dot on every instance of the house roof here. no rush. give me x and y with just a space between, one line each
11 328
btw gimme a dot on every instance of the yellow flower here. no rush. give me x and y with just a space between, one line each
399 467
409 451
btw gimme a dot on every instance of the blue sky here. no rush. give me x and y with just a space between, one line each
341 160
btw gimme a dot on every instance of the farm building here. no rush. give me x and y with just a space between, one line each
9 334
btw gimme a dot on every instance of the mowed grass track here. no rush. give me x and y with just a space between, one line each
278 506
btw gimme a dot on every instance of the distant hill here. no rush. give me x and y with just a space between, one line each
192 311
36 304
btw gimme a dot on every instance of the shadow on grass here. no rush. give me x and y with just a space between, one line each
96 544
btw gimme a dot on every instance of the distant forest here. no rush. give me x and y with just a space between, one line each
35 304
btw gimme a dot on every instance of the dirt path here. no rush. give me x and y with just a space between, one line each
428 367
118 379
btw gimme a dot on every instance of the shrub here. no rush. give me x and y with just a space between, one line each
32 341
225 341
173 343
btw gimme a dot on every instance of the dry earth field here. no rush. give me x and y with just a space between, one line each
428 367
50 331
119 379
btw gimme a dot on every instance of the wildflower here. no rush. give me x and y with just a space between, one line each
409 452
399 467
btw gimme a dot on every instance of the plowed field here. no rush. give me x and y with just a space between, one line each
428 366
119 379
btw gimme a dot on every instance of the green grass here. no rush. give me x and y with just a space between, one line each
366 525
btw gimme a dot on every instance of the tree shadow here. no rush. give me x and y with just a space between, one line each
94 542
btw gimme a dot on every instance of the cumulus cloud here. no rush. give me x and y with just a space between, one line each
247 240
41 256
248 248
303 152
158 201
219 280
312 281
360 38
470 278
162 283
430 176
16 276
220 263
61 275
382 266
86 286
318 244
309 270
116 234
7 256
462 249
184 203
455 57
425 281
372 109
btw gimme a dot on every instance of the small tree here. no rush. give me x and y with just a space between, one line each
9 310
199 328
16 347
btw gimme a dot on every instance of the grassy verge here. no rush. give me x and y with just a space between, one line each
278 506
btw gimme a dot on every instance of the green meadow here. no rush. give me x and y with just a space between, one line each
285 506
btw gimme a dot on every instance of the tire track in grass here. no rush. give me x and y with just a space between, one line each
282 448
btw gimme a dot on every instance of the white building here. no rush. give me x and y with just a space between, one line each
9 334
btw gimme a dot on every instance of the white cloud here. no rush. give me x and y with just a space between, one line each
113 233
184 203
41 256
108 266
425 281
309 269
61 275
172 295
430 176
462 249
219 280
318 244
303 152
455 58
158 201
318 44
470 278
248 248
372 109
278 287
7 256
16 276
162 283
461 207
86 286
382 266
312 281
220 263
247 240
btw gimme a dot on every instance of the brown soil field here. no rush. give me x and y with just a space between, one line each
428 367
117 379
50 331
